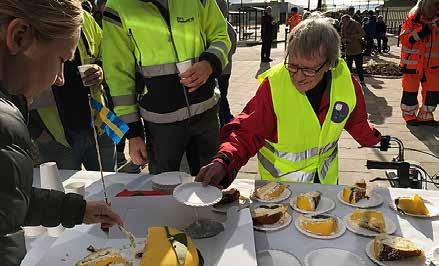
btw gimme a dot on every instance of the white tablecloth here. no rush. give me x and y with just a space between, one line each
425 232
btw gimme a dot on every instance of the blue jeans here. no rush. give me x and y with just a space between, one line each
82 151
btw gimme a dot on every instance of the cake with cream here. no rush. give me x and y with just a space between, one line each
413 205
103 257
268 213
390 248
369 219
308 201
270 191
320 224
353 194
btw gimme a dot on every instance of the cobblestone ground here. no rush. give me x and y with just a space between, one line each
382 99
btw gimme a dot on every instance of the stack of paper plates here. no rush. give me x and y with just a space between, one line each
167 181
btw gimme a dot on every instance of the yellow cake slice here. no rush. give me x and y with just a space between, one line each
369 219
353 194
389 248
308 201
413 205
103 257
159 251
321 224
270 191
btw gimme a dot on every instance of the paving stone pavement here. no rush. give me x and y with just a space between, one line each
382 98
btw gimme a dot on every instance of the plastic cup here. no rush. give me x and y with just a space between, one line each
183 66
33 231
83 68
75 187
50 178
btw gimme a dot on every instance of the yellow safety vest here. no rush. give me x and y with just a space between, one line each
89 52
305 147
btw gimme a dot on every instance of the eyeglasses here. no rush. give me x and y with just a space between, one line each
307 72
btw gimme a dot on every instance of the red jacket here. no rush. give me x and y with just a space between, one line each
242 138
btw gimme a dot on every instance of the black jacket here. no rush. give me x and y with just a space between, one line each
20 203
267 26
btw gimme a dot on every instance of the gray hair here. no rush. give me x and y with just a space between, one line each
423 6
314 36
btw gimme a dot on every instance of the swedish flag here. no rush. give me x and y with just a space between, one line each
107 121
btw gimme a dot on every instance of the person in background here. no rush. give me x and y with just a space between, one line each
294 18
60 123
223 81
420 63
357 16
352 37
161 65
370 30
36 38
381 30
267 28
311 96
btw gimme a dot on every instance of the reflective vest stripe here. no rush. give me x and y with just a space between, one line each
112 16
218 52
327 163
130 118
297 176
432 54
300 156
432 44
428 108
415 35
410 51
293 157
124 100
409 62
162 69
180 114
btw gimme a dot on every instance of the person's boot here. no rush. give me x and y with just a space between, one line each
425 117
409 114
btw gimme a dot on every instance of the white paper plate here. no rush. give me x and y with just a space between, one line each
167 179
325 205
285 195
340 231
126 252
390 227
374 200
273 257
432 208
414 261
242 203
282 223
433 257
195 194
333 256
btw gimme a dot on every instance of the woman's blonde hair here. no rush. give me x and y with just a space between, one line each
50 19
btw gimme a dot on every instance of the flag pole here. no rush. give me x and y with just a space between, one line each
97 150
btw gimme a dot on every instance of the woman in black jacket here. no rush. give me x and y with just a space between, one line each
36 38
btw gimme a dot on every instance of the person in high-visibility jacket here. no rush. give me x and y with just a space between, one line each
296 118
420 62
60 120
161 59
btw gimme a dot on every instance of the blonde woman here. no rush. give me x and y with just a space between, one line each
36 38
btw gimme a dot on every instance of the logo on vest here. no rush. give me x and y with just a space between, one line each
183 20
340 112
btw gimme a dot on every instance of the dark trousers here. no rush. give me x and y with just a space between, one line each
384 40
369 46
358 58
266 48
224 109
167 143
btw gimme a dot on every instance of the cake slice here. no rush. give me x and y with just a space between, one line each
308 201
229 196
413 205
268 214
387 247
369 219
321 224
353 194
103 257
270 191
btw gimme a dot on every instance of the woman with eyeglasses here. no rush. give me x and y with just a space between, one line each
36 38
296 118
